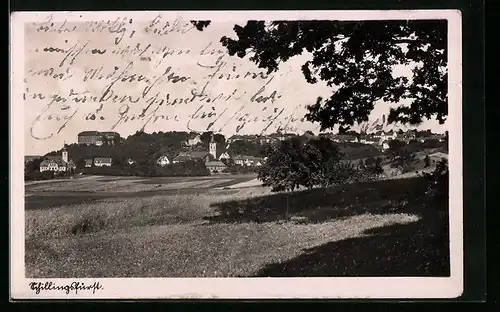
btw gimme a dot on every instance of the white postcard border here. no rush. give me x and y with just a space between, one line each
244 288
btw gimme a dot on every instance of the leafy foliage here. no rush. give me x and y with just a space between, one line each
243 147
373 165
284 169
200 25
357 59
427 161
322 158
401 158
33 165
438 183
317 162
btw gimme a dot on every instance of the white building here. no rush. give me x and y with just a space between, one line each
103 161
194 141
163 161
57 163
224 155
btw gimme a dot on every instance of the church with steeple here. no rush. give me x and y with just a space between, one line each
212 147
214 165
57 163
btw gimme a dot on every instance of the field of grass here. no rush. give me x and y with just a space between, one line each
378 228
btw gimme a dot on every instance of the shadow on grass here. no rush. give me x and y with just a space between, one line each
416 249
319 205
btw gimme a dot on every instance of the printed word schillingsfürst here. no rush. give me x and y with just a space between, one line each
75 287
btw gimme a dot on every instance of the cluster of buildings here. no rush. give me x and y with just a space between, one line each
213 158
98 162
217 156
98 138
261 139
62 163
57 163
381 138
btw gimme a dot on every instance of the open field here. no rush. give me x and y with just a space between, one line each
193 227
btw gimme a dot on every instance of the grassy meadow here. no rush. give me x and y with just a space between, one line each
199 227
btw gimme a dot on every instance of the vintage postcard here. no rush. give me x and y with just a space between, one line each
219 154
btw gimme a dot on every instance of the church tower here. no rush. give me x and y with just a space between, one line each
65 155
212 147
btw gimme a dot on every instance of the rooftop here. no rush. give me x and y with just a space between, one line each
215 163
83 133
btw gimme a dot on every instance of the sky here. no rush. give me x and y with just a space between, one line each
147 77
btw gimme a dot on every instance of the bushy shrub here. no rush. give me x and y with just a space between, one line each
438 183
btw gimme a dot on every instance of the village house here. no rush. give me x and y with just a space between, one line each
368 139
247 138
103 161
248 161
266 140
194 140
57 163
406 136
111 137
381 134
344 138
215 166
130 161
163 161
90 138
187 156
384 145
224 155
97 138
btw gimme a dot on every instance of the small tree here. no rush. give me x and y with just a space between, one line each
438 183
427 161
33 165
401 158
80 163
373 168
284 169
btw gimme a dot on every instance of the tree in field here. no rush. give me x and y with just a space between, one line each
80 163
284 168
400 156
372 168
294 163
33 165
321 158
427 161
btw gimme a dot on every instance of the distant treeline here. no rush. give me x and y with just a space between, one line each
151 169
144 149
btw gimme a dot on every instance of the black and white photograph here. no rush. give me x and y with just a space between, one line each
245 154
